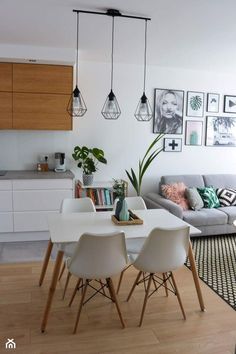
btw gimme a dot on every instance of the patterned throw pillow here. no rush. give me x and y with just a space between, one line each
226 196
209 197
194 198
176 193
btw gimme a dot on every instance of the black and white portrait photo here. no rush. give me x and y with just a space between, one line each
168 111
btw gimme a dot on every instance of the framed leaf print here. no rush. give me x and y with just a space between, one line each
195 104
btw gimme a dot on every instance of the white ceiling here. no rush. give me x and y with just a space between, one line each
197 34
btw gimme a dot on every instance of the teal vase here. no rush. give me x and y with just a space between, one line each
124 213
119 207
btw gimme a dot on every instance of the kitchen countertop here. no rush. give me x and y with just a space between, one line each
27 174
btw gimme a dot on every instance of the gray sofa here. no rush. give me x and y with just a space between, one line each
209 221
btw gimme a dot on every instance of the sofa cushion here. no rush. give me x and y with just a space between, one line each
205 217
194 198
230 212
176 193
188 180
209 197
226 196
220 181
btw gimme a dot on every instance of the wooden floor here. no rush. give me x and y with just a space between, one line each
163 332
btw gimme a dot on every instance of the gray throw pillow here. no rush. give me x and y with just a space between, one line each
194 198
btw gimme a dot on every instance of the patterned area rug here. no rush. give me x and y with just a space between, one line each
216 264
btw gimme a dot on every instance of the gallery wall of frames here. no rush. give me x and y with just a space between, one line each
202 118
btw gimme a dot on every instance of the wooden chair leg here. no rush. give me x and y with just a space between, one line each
66 284
74 292
133 287
121 277
165 285
178 296
62 270
112 290
145 299
80 306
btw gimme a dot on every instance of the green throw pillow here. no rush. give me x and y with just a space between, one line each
209 197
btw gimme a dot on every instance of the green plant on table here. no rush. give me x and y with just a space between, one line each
88 158
119 188
150 155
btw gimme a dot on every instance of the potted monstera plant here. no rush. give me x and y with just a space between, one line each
88 160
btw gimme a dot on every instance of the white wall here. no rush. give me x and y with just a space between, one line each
126 139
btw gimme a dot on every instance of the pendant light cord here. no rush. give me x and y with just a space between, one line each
145 57
112 52
77 53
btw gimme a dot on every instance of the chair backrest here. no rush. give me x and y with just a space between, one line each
135 203
77 205
99 256
164 250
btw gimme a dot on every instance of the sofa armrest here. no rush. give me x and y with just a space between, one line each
155 200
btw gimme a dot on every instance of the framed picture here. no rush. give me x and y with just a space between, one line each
193 133
221 131
195 104
213 100
168 111
229 104
172 145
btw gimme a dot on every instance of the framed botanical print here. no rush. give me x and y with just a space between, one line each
195 104
221 131
193 133
172 145
168 111
229 104
213 100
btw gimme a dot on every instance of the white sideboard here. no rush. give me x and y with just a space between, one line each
26 203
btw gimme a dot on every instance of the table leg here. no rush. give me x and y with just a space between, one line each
52 288
195 276
45 262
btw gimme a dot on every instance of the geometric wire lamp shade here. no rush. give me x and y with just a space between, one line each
143 111
111 108
76 106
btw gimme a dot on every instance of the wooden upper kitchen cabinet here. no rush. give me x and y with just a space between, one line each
41 94
41 78
5 96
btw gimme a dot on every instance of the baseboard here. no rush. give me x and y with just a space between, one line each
24 236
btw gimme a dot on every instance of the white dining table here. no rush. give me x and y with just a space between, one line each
66 228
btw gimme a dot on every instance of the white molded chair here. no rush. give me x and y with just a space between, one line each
133 245
163 251
98 256
77 205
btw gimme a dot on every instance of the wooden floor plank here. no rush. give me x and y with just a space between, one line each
164 331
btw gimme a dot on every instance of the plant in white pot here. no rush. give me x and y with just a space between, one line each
87 160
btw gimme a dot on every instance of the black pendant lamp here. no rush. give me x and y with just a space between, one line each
76 106
143 111
111 108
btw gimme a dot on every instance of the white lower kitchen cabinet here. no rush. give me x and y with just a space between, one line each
6 207
33 200
26 203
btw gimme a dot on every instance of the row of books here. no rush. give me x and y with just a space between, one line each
100 196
